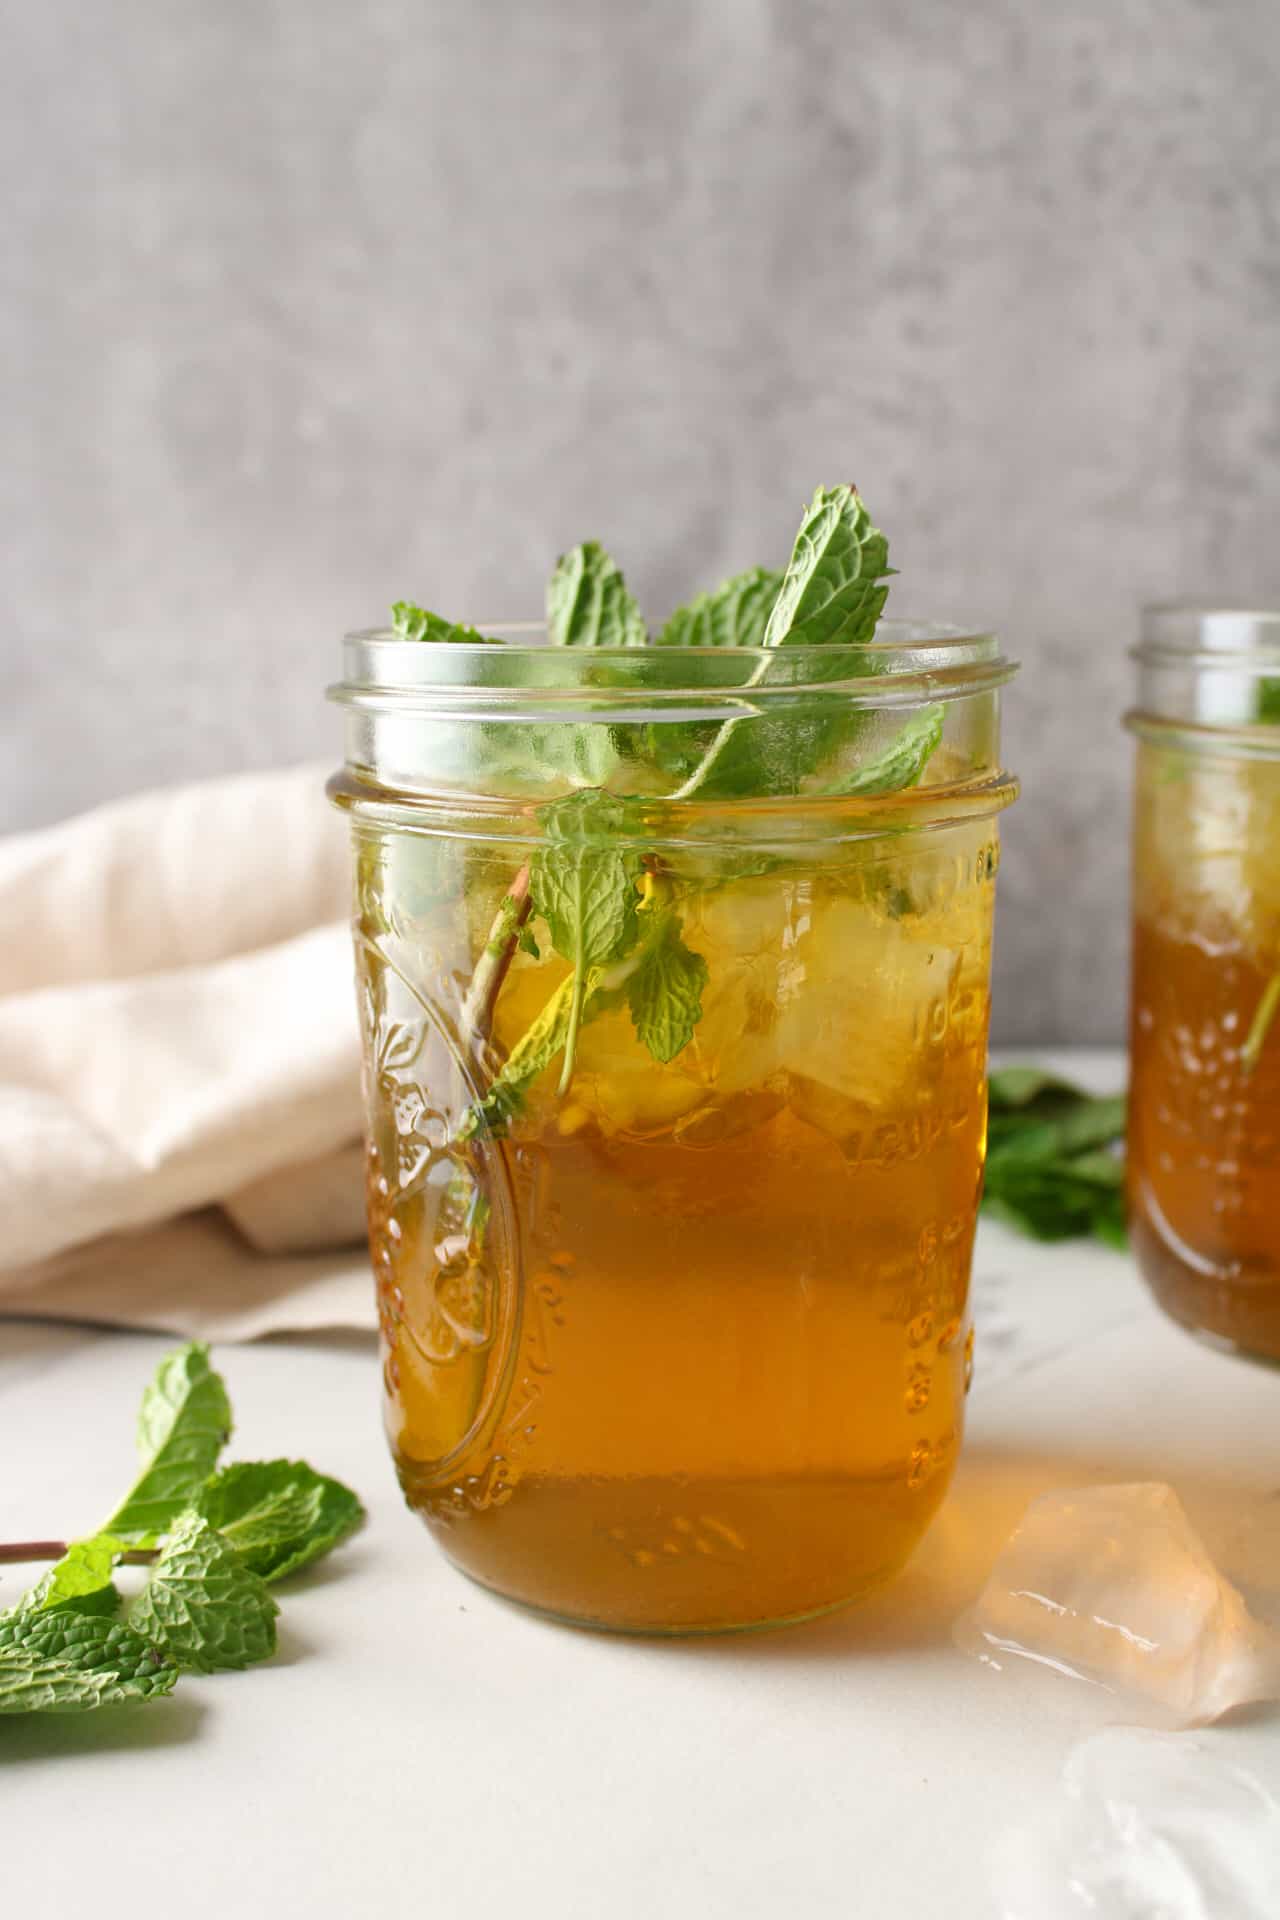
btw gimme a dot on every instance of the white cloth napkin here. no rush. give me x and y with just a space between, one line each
179 1064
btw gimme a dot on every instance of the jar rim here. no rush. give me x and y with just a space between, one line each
1209 634
893 634
909 662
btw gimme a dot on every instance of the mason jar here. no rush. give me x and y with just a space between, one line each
1204 1124
675 1067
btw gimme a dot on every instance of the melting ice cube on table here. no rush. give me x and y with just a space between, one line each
1112 1585
1148 1824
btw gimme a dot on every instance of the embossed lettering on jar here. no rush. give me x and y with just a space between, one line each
682 1345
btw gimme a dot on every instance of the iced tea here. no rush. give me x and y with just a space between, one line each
674 957
1204 1126
688 1345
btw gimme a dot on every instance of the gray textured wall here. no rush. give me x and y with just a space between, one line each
308 304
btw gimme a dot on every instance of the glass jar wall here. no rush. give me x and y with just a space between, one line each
672 1248
1204 1125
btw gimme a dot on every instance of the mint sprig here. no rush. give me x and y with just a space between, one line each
611 913
1052 1170
213 1540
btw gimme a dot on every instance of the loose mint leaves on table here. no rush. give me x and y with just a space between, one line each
1053 1168
611 908
214 1540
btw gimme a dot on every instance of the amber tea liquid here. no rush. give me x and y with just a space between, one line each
688 1348
1204 1126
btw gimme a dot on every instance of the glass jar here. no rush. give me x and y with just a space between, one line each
1204 1122
672 1246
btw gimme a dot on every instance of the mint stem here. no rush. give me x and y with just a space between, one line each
1265 1013
495 961
571 1037
14 1552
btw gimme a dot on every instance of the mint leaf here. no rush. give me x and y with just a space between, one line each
1050 1170
734 615
184 1422
81 1580
830 597
831 593
60 1661
584 882
898 765
589 604
665 991
416 623
1019 1086
202 1606
1060 1199
278 1515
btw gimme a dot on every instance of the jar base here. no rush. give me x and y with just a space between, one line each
1241 1318
667 1557
713 1630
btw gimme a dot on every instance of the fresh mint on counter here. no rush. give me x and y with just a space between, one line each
214 1540
1053 1170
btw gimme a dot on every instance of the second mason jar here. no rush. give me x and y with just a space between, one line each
672 1246
1204 1124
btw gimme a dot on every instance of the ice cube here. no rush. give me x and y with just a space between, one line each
1149 1824
1113 1586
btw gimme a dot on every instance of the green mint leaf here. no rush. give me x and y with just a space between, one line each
62 1661
202 1606
898 765
278 1515
1050 1170
1034 1116
734 615
416 623
1013 1087
665 990
584 881
1060 1199
589 603
1269 701
831 592
831 596
81 1580
184 1422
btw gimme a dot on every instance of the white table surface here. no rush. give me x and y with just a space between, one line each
418 1748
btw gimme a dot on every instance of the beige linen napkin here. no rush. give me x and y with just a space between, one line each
179 1064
